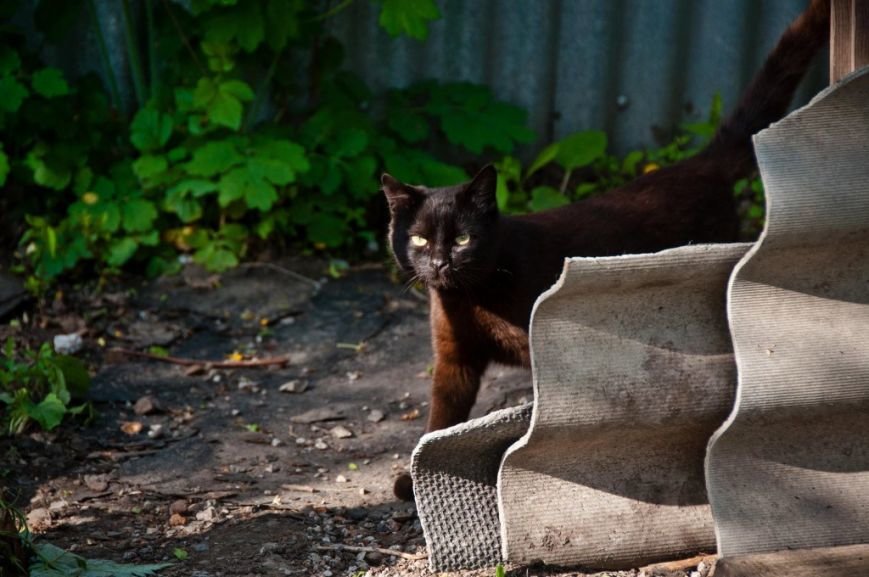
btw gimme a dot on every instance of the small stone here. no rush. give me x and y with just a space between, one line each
235 412
301 441
374 558
340 479
96 483
68 344
39 518
179 507
276 442
245 384
321 445
177 520
155 431
695 574
294 386
268 548
353 376
207 514
146 405
363 491
376 416
200 547
341 432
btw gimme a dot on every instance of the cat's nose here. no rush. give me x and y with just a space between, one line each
440 264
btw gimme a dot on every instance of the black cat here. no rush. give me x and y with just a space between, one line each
484 271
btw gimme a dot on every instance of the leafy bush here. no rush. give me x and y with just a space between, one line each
246 128
38 386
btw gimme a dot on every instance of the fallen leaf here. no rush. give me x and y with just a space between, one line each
410 415
294 386
146 405
177 520
318 415
235 356
376 416
341 432
131 427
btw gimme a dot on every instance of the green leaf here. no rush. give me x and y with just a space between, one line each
215 259
327 229
149 166
121 250
138 215
56 18
242 183
225 110
150 129
282 22
10 62
13 93
545 197
546 156
48 413
243 23
52 561
4 166
238 89
581 149
470 117
222 103
411 18
47 171
49 82
213 158
410 126
75 373
286 151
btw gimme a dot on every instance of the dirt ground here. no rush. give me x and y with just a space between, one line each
277 470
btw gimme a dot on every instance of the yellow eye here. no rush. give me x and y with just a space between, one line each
418 240
463 239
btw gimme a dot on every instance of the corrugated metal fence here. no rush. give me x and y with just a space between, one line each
629 67
634 68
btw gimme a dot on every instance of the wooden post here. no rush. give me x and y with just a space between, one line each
849 37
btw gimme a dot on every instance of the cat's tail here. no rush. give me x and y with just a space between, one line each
769 95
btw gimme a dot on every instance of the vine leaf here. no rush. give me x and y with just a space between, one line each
411 18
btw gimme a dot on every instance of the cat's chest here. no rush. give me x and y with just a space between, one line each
509 341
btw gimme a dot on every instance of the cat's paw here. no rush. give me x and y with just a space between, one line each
403 487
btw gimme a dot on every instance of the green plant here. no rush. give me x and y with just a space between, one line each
15 546
39 386
585 152
246 130
51 561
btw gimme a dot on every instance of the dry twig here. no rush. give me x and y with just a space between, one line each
282 360
382 551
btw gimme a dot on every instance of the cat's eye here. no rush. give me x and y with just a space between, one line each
463 239
417 240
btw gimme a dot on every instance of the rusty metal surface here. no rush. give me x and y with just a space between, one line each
790 468
633 370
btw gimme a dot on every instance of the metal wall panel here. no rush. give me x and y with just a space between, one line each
629 67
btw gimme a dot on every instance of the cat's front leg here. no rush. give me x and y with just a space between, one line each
454 391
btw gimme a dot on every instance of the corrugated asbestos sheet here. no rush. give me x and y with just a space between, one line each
623 66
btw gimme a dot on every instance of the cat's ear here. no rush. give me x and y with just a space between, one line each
398 194
481 191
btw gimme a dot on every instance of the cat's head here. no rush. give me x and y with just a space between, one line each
447 237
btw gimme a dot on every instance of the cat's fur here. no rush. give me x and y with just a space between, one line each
482 292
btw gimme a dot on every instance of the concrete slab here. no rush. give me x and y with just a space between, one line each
455 472
633 371
790 468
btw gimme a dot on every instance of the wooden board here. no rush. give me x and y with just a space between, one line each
822 562
849 37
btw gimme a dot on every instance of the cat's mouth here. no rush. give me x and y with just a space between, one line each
440 279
